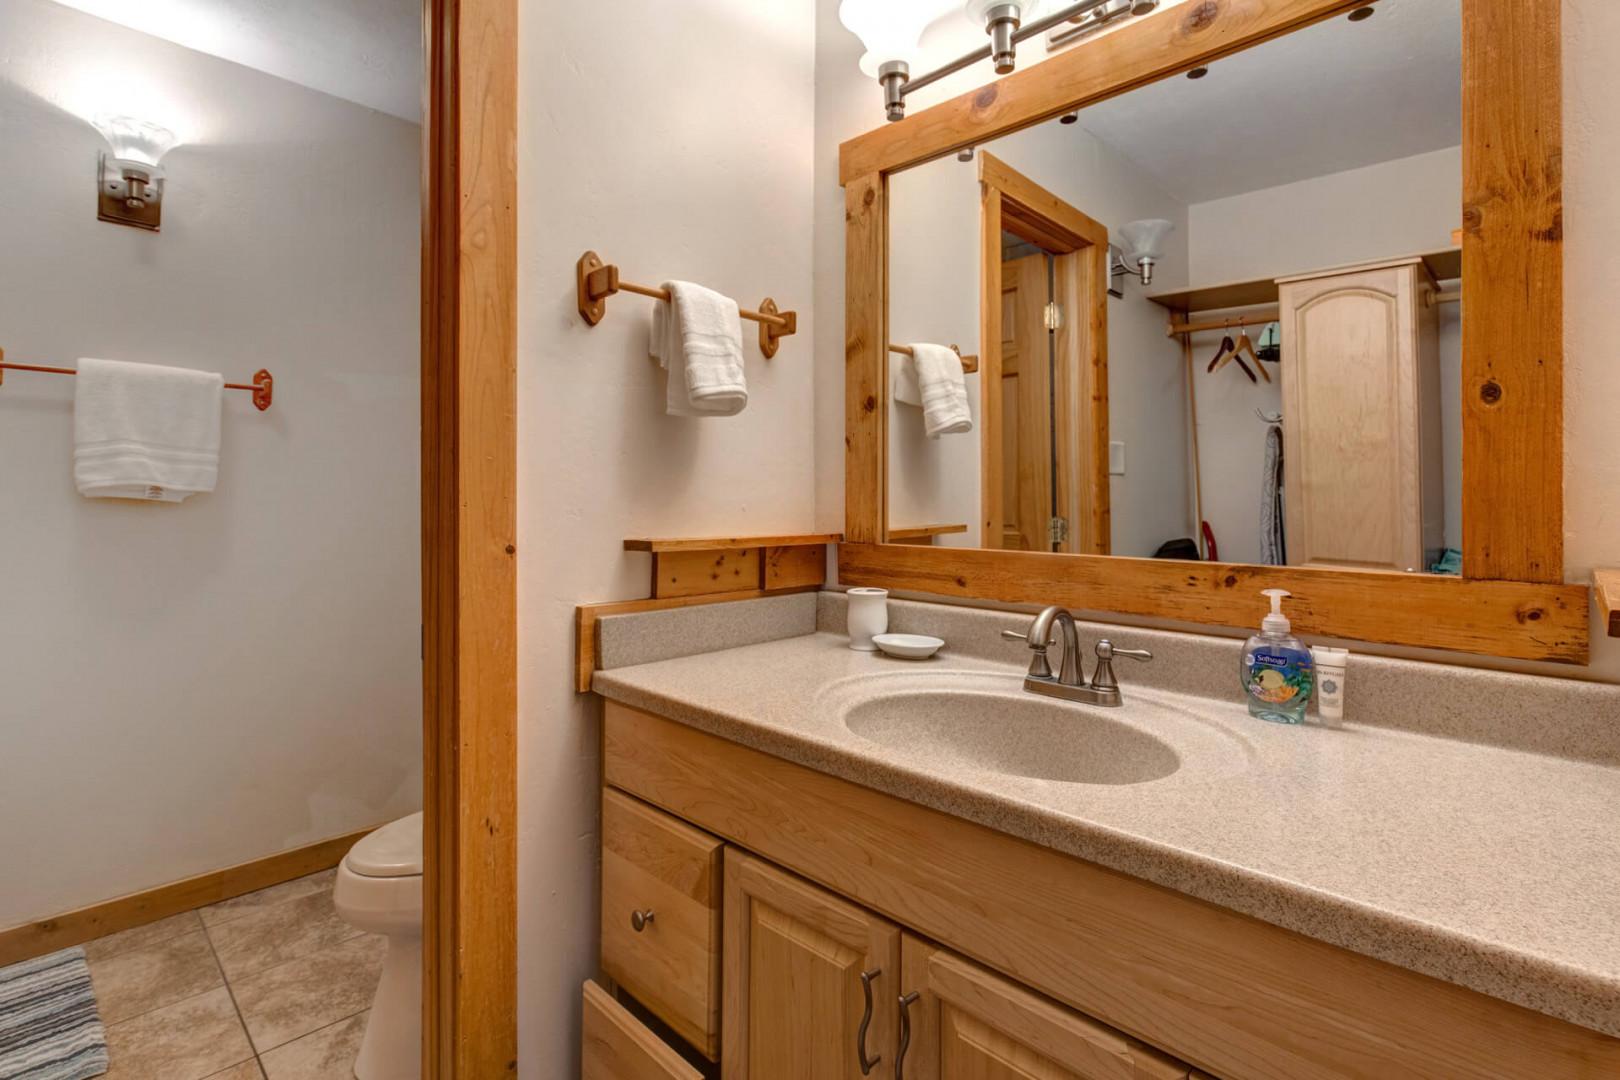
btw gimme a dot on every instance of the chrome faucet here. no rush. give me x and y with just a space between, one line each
1070 682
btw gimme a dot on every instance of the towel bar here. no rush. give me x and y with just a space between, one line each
599 280
263 384
970 363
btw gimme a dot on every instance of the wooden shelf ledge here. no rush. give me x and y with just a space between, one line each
1606 586
730 543
923 534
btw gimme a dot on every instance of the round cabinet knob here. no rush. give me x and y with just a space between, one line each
640 919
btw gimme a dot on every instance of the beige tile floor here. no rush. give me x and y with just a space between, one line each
268 986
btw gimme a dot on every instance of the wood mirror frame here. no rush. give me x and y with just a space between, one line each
1511 600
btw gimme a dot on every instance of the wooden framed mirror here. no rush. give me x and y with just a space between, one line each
1415 494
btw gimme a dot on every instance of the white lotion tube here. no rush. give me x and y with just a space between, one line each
1331 666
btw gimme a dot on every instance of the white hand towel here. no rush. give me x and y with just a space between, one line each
903 380
141 431
943 390
697 339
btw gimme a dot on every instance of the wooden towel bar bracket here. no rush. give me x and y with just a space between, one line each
599 280
263 385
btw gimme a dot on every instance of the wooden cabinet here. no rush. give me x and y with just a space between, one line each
614 1045
811 980
661 916
1363 458
962 1022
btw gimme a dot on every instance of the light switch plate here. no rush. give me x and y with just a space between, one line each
1116 459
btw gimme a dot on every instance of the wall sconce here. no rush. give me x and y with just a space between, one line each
129 180
892 32
1144 241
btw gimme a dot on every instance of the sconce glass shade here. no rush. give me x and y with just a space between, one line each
1145 239
979 10
135 140
890 29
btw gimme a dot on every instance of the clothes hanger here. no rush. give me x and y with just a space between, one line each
1245 345
1229 353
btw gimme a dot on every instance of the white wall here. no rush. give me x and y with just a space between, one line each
674 139
183 688
1380 211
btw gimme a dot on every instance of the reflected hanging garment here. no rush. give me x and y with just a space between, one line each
1273 544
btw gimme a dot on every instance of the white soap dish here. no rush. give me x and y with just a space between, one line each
908 646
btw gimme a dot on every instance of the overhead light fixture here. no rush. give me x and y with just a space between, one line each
1144 247
129 183
1362 13
892 32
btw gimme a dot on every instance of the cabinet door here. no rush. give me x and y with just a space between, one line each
794 1001
966 1023
1362 453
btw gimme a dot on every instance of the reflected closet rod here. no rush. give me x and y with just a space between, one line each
263 384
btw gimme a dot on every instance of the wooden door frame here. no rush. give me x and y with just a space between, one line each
1511 600
1013 202
469 598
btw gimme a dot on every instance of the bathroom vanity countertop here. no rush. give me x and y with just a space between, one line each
1495 869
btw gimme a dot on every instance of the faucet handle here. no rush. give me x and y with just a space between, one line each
1039 666
1106 651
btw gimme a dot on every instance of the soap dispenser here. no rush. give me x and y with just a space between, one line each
1277 668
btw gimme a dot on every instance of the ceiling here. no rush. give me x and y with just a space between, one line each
1326 99
365 51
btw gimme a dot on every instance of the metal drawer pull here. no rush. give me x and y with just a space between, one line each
867 1064
905 1034
640 919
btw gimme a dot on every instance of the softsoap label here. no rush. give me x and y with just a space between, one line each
1279 676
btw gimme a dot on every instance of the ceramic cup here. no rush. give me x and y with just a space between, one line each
868 616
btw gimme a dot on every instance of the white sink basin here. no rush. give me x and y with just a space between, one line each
956 720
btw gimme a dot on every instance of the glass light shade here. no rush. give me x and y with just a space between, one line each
1145 239
890 29
136 140
979 10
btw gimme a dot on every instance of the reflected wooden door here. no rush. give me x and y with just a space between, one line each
1026 405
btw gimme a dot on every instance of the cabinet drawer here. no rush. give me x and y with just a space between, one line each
663 875
617 1046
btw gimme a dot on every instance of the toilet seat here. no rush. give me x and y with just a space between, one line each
395 850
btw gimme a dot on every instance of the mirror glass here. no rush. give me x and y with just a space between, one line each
1225 312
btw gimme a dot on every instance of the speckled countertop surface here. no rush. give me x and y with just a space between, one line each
1495 869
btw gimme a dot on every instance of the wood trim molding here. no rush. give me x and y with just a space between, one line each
1140 52
469 486
866 360
1013 202
1513 275
1522 620
1513 601
42 936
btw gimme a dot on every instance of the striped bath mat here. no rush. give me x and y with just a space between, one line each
49 1026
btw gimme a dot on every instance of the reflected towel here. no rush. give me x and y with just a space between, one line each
142 431
935 372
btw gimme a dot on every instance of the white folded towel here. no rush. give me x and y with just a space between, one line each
932 378
141 431
697 338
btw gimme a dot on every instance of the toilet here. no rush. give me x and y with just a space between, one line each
379 890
